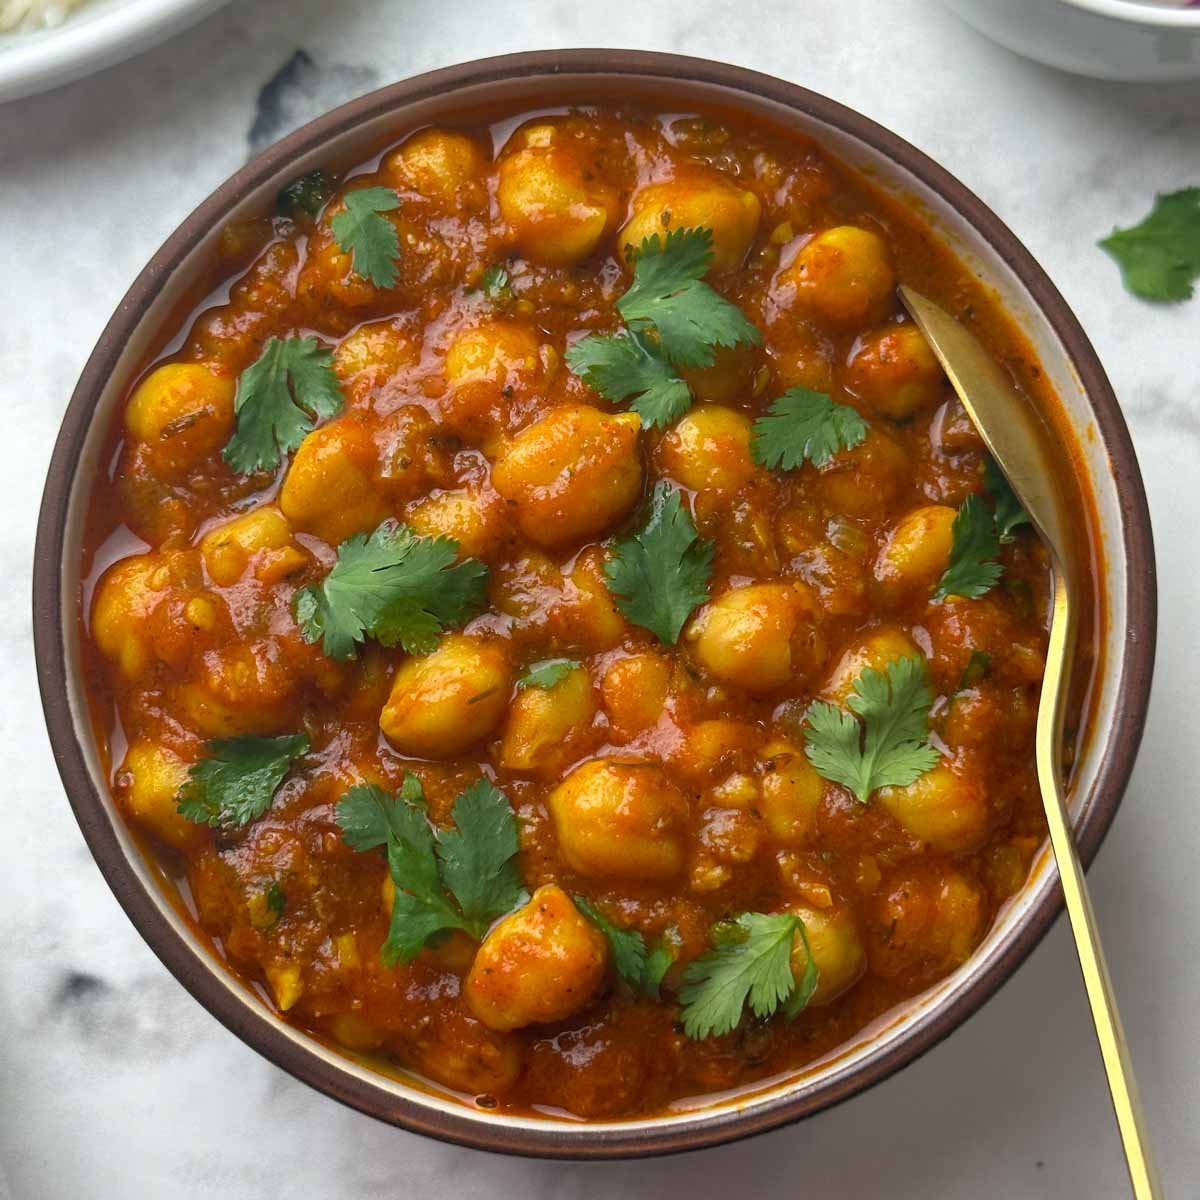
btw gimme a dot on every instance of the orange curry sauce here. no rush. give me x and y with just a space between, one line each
461 418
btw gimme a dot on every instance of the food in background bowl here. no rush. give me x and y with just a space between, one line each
556 617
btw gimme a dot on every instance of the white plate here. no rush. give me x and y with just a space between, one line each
101 33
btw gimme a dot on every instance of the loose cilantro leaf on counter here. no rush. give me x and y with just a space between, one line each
753 967
621 365
883 740
547 674
280 396
370 239
803 424
973 568
478 856
660 574
1160 257
395 586
674 319
306 194
236 782
642 969
460 878
1008 510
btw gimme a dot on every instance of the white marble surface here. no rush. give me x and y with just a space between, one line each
115 1084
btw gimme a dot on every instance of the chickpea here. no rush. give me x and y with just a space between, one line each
693 199
928 918
412 455
917 551
895 371
865 481
371 355
557 215
942 807
844 275
445 166
837 950
587 616
540 964
473 517
147 784
790 793
621 820
183 412
634 691
443 702
572 474
263 534
455 1049
126 595
542 719
708 448
330 489
720 742
486 366
878 648
245 688
759 637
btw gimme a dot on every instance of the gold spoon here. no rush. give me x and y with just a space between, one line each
1005 423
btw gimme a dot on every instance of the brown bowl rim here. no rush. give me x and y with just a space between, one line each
257 1027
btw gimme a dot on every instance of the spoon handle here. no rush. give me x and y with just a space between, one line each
1114 1049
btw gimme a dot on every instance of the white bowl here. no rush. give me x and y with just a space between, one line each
98 35
1110 39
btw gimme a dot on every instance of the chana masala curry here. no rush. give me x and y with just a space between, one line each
555 622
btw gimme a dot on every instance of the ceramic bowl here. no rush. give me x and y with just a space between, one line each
1110 39
534 80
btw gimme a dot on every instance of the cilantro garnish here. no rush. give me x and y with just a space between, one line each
1160 257
459 878
660 574
370 239
753 965
494 284
1008 510
280 396
628 364
395 586
803 424
236 782
276 898
642 969
976 670
547 674
674 319
883 740
973 568
306 194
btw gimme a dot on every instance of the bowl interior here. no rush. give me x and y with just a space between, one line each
1141 12
169 286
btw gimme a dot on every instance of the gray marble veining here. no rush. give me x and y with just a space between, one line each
114 1084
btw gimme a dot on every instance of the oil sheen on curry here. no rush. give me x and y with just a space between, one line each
554 620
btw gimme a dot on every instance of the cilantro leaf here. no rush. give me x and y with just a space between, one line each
667 292
642 969
445 879
547 674
973 568
1009 513
494 284
754 967
395 586
883 740
660 574
478 856
370 239
797 1002
236 782
306 194
276 898
627 364
658 962
803 424
279 398
976 670
1160 257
